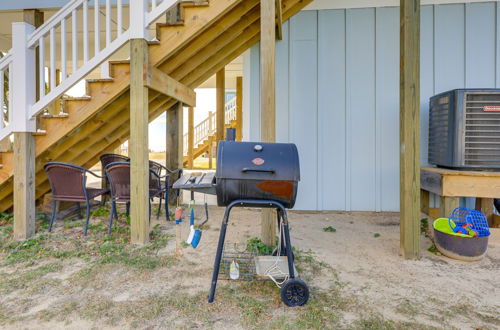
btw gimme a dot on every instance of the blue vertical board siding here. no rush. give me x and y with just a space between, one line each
387 109
303 104
338 94
282 78
480 50
255 93
361 94
331 110
449 47
426 76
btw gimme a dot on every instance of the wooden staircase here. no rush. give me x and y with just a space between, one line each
205 133
202 40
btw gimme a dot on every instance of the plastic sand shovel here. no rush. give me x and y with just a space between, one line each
198 232
191 222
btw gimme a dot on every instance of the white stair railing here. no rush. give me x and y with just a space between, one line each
230 111
64 59
6 107
208 126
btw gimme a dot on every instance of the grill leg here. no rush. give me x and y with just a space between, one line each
218 256
289 253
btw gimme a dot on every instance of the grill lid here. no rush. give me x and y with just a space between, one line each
257 161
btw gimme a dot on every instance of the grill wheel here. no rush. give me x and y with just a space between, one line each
294 292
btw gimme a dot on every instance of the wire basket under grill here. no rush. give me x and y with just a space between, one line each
244 258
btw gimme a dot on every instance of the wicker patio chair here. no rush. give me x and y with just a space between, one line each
108 159
166 184
118 175
68 183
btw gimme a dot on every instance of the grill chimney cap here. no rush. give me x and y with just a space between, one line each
258 148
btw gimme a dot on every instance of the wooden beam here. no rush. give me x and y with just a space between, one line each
447 205
279 20
24 183
268 99
190 136
485 205
138 143
410 128
175 141
163 83
220 86
239 108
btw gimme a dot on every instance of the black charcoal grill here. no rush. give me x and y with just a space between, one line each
254 174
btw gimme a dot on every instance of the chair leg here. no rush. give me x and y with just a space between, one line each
113 207
167 216
127 209
87 219
159 209
79 210
53 217
114 210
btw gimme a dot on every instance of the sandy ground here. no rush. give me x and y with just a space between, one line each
433 291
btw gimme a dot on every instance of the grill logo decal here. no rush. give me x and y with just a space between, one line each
258 161
491 108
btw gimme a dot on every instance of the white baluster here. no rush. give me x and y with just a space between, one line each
108 23
2 93
41 69
154 4
23 82
138 10
97 29
10 109
52 59
63 49
85 32
74 40
119 14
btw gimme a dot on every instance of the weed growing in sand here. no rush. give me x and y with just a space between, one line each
376 235
330 229
27 279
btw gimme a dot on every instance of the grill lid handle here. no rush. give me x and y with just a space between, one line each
263 170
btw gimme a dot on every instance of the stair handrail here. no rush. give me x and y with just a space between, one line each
230 111
21 59
208 126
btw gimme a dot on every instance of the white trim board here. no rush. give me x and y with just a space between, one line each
346 4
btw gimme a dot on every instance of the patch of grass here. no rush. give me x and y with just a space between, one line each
329 229
27 279
424 225
255 244
376 235
101 211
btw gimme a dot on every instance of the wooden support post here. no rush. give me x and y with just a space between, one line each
279 20
447 205
24 183
485 205
424 201
190 137
174 143
220 85
138 143
268 99
210 152
239 108
410 128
